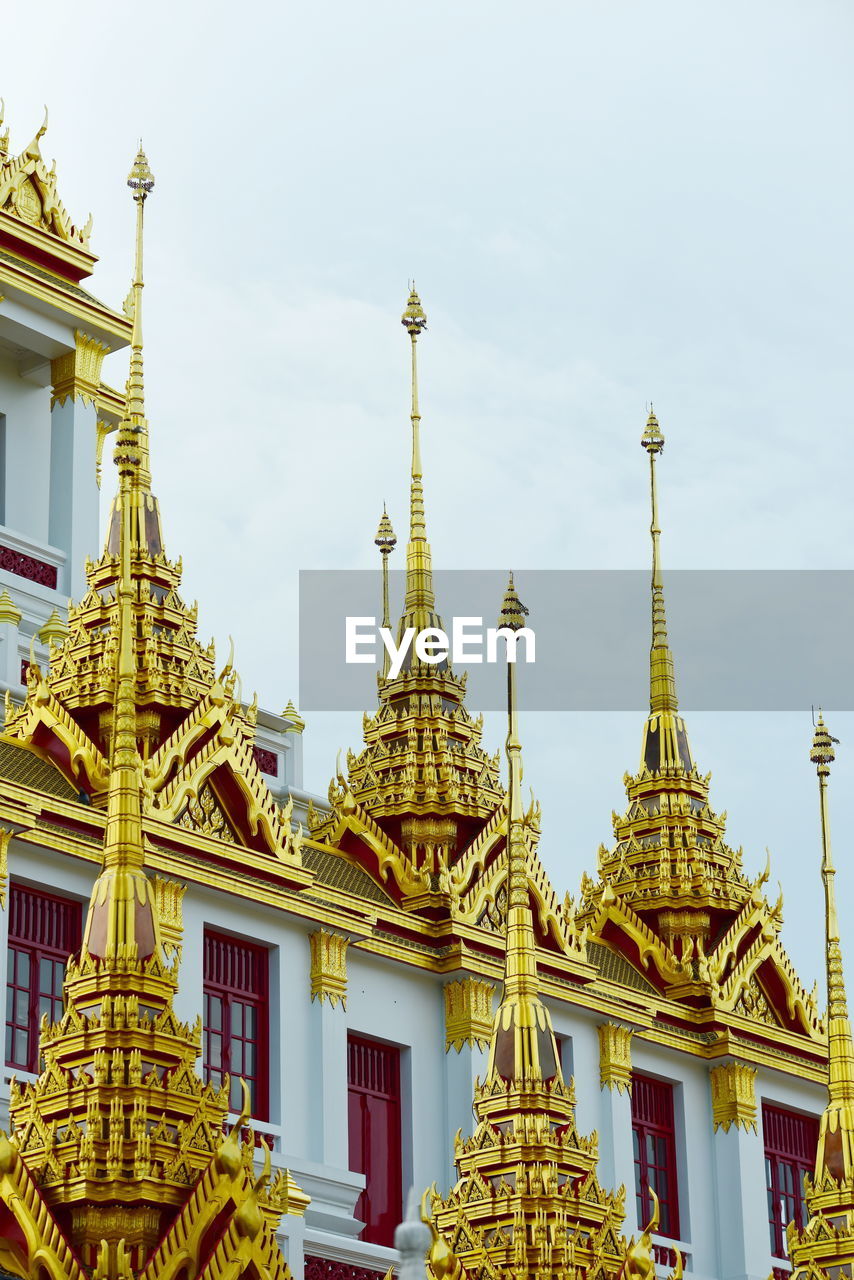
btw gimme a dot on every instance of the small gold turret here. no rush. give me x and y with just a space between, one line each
386 540
523 1044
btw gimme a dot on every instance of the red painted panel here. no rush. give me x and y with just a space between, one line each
28 567
373 1075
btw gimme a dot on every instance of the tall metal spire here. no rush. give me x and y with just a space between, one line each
665 743
122 920
662 685
836 1139
523 1044
419 597
141 183
386 540
146 534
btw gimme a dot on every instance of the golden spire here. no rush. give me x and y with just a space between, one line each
662 685
145 522
122 920
665 742
386 540
419 573
141 183
523 1044
836 1140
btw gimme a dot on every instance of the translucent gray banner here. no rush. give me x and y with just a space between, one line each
742 640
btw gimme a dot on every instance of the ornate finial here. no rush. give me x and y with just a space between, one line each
652 439
419 573
33 151
513 612
836 1136
140 178
822 754
413 319
386 538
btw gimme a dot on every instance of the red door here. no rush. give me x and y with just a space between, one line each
373 1077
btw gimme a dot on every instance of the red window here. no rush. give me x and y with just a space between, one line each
43 932
373 1079
655 1152
791 1141
236 1019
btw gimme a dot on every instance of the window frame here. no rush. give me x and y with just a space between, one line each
664 1129
778 1156
235 995
37 950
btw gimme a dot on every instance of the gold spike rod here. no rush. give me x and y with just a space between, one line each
122 920
419 574
141 183
386 540
523 1044
662 684
836 1142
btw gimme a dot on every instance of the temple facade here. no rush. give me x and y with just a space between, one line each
282 1010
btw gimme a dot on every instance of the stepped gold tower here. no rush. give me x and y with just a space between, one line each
528 1201
117 1166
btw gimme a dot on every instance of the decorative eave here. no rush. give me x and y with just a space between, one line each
23 282
69 259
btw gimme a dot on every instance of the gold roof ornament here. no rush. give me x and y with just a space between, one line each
28 196
422 786
180 701
527 1201
118 1115
824 1248
671 895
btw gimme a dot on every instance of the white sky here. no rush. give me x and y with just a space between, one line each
602 203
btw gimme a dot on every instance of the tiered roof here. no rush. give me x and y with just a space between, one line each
117 1167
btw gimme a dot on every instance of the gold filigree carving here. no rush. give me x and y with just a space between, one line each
753 1003
733 1096
468 1013
169 896
329 966
206 816
615 1057
5 837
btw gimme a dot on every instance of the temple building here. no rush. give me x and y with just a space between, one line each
280 1009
